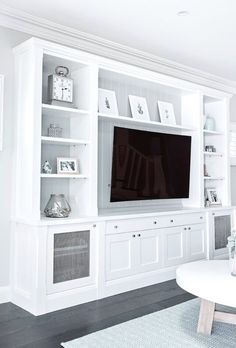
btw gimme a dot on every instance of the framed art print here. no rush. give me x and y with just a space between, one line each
166 112
1 110
67 165
107 103
139 109
213 196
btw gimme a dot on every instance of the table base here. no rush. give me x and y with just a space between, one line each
208 314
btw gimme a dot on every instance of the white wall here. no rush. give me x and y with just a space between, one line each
8 39
233 168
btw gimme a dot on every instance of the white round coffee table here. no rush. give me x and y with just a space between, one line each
213 283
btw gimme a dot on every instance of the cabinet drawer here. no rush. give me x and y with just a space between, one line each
140 224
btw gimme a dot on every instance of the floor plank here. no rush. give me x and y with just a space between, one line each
20 329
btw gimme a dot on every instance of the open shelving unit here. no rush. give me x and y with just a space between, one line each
88 134
217 163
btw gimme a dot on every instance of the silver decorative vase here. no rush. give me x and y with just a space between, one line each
57 207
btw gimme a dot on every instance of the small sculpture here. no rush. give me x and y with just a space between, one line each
47 168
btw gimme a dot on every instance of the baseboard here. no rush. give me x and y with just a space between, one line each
4 294
115 287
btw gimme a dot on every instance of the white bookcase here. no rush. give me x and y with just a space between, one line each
119 246
217 163
88 135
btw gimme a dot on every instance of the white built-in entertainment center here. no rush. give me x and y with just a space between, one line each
106 248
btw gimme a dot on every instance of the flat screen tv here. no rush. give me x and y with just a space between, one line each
148 165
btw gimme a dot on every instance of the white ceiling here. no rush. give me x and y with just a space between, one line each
206 39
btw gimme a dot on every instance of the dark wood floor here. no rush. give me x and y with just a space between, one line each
18 328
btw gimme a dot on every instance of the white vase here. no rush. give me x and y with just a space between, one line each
210 123
232 263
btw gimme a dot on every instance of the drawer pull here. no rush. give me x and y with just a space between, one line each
115 226
155 222
185 228
189 228
201 217
171 220
133 236
139 235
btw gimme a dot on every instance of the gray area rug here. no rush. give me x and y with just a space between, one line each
174 327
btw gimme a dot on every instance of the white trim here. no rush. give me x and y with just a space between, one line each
5 294
36 26
1 110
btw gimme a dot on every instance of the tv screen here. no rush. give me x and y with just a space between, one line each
148 165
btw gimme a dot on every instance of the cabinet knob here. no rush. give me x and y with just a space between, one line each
201 217
171 220
133 236
189 228
155 222
213 214
185 228
139 235
94 225
115 226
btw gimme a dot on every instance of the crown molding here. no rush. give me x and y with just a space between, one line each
45 29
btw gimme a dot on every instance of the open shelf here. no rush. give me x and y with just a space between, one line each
213 154
63 176
63 111
63 141
133 121
209 132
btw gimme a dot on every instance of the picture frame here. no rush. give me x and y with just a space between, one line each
139 108
107 102
166 112
1 110
213 196
67 165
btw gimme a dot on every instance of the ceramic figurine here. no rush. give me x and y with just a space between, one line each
46 168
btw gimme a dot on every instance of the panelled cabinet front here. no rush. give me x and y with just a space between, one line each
119 254
132 253
71 257
174 246
196 242
220 225
149 250
184 244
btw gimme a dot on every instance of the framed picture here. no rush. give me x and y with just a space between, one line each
1 110
212 196
139 109
166 112
107 103
67 165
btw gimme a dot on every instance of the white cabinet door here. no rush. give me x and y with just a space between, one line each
195 235
149 250
120 255
174 244
220 225
71 257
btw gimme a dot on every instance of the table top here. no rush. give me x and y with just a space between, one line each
210 280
